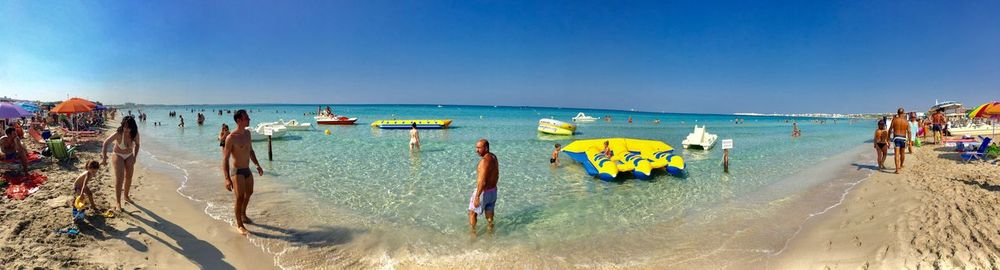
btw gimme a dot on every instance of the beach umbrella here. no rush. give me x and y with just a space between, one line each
985 110
30 107
74 105
88 102
9 110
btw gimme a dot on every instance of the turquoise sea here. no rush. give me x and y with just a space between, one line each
359 198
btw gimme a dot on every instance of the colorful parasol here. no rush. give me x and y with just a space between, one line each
74 105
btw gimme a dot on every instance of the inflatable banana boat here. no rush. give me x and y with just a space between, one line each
555 127
407 124
640 157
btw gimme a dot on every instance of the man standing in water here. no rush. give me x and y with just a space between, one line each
900 131
485 198
239 147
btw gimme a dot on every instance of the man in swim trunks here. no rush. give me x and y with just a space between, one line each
937 125
238 147
12 149
900 130
484 200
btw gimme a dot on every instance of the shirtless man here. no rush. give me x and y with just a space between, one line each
239 147
414 137
937 125
900 130
11 148
485 197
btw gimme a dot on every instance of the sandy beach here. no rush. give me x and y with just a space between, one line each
161 230
939 212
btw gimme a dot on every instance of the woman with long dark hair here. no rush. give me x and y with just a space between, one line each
126 149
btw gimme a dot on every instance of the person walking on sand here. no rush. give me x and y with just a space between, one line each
914 126
484 199
238 147
414 137
900 130
126 149
881 143
937 125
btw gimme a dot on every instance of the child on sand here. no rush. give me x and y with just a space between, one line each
80 189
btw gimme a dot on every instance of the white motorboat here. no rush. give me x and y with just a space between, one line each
700 139
263 130
580 117
294 125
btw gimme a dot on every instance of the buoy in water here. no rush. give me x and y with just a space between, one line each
327 132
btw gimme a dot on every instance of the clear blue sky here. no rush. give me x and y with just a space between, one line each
722 57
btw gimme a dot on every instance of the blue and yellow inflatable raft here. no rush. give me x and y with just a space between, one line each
640 157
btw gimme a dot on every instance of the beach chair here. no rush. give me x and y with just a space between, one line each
35 136
980 154
60 151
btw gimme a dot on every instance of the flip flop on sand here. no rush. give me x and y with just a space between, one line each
109 214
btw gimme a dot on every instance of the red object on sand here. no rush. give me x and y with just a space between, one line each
32 158
19 187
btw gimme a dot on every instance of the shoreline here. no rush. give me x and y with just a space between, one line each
936 213
162 229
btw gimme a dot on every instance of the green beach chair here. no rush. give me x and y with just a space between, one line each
60 151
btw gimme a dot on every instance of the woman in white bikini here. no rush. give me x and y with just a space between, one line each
414 137
126 148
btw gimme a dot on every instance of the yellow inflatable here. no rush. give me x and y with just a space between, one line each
407 124
640 157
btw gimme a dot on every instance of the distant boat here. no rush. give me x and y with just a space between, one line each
335 120
263 130
580 117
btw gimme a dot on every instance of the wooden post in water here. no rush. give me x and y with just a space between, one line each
270 157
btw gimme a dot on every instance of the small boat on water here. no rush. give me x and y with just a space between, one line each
580 117
335 120
407 124
700 138
263 130
294 125
555 127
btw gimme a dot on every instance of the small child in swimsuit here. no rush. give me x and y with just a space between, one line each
555 155
80 188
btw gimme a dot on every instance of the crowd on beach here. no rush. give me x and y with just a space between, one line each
906 130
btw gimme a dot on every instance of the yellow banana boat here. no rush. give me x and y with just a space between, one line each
407 124
640 157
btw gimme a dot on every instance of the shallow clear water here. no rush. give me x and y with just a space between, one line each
369 174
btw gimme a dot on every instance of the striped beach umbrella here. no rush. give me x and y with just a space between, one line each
986 110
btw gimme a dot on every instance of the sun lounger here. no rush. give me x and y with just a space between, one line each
35 136
979 154
60 151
